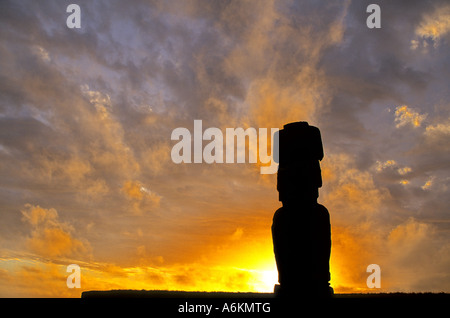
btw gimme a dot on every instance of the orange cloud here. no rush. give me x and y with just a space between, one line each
438 131
350 255
405 115
380 166
355 204
435 25
271 105
349 193
133 190
140 197
50 237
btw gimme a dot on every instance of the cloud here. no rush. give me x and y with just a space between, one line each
353 249
417 257
408 234
404 170
349 193
35 278
380 166
134 190
50 237
287 85
392 168
428 184
434 26
406 116
369 226
438 131
413 256
237 235
41 53
141 197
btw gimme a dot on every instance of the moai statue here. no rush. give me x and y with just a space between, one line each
301 229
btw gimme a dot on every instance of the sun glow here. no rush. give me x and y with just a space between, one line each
269 278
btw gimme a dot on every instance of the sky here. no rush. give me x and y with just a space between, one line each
86 117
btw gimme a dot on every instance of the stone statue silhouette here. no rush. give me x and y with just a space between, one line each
301 229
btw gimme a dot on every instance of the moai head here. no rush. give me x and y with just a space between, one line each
299 175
